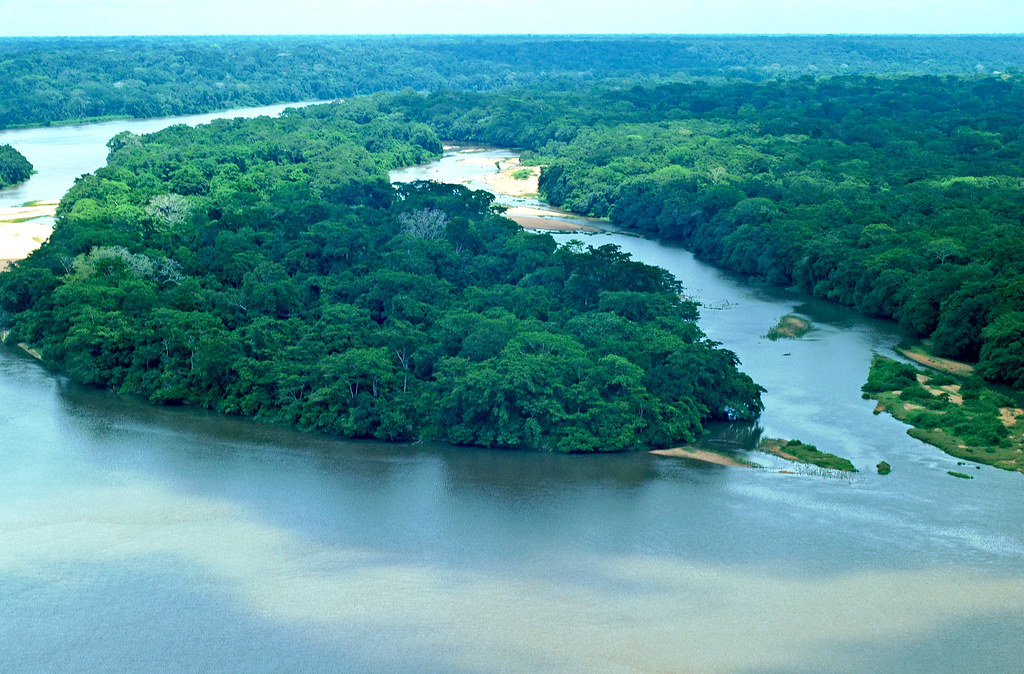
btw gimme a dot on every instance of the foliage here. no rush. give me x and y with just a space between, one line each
883 468
789 327
266 267
970 421
962 476
798 451
14 168
887 374
50 80
810 454
900 196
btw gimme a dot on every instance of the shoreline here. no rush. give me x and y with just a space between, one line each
20 231
699 455
549 224
921 356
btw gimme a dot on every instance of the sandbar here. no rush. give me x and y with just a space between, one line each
39 209
503 181
699 455
936 363
551 224
21 232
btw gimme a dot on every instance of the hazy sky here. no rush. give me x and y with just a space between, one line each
220 17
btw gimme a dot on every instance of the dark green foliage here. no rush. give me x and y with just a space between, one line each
49 80
898 196
14 168
883 468
266 267
1002 351
890 375
962 476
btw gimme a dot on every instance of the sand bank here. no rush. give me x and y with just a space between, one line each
21 232
699 455
39 209
504 181
551 225
918 355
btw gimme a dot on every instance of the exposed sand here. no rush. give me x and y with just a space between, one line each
942 364
20 234
550 224
774 446
1009 415
699 455
18 239
950 389
504 183
40 209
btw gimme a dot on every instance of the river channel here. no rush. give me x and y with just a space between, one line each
136 538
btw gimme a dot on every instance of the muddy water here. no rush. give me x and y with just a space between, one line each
134 538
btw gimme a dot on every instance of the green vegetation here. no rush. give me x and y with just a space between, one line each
14 168
51 80
883 468
521 174
969 420
267 268
962 476
789 327
898 196
794 450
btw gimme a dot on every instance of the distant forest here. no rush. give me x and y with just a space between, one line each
52 80
901 196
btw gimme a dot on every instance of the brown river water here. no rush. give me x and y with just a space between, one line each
135 538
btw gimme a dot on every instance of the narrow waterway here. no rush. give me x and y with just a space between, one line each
137 538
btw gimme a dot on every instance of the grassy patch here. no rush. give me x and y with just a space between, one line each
968 419
962 476
794 450
522 174
789 327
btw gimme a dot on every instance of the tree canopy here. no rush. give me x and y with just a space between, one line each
50 80
267 267
900 196
14 168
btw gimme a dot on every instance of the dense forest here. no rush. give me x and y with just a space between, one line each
49 80
14 168
899 196
267 268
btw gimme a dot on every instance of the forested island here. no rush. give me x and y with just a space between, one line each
267 268
207 266
14 168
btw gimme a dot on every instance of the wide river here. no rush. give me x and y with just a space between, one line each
135 538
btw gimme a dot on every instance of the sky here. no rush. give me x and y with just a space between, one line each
304 17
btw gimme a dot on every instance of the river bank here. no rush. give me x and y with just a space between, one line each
23 229
127 528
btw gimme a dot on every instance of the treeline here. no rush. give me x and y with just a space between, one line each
14 167
267 268
899 196
49 80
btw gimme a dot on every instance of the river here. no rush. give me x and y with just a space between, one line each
138 538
